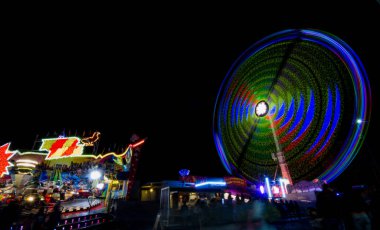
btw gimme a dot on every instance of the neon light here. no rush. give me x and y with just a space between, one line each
127 152
26 165
25 168
282 188
138 143
184 172
71 147
5 154
26 161
268 187
210 183
90 141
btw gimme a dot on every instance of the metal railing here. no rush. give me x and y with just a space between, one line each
84 222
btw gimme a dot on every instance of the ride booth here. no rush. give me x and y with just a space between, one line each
196 201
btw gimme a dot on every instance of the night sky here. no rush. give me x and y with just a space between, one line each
156 73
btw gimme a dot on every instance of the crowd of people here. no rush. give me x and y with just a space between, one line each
216 210
353 209
75 167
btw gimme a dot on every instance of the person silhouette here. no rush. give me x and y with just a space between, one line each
185 213
55 216
329 208
40 219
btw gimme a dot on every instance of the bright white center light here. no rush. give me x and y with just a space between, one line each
359 121
95 175
100 186
261 109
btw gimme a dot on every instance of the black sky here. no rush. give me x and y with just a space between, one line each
155 73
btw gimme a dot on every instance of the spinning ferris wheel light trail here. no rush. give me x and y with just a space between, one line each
293 93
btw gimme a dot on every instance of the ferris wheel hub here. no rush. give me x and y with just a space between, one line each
261 109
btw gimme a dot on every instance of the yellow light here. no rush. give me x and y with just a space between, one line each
27 161
151 190
56 153
26 165
30 199
89 141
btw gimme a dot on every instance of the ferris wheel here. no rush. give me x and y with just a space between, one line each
299 95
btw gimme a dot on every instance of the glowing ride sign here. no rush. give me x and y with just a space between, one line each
5 154
72 147
62 147
59 148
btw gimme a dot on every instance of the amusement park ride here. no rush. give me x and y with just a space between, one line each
64 152
292 101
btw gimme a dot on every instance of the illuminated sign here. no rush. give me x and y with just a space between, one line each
5 154
73 147
62 147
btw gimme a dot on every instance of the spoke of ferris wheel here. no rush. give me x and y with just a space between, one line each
246 145
287 54
285 58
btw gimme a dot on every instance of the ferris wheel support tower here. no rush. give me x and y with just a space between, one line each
280 156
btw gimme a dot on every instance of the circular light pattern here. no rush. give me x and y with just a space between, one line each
315 89
261 109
